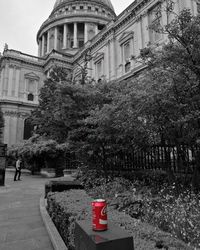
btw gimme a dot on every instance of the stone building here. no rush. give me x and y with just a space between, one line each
73 28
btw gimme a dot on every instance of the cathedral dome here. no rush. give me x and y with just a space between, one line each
106 3
72 23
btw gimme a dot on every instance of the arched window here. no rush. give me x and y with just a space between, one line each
28 129
30 97
127 67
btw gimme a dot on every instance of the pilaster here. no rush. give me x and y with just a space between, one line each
145 33
17 82
140 42
10 80
112 59
5 80
65 36
13 81
108 60
6 129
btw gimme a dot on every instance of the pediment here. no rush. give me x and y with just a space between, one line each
31 75
126 36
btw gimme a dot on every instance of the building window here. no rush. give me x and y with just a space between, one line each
31 88
28 129
30 97
96 9
155 16
80 43
99 70
89 8
126 42
127 67
126 53
81 7
74 7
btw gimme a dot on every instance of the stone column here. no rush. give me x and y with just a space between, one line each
48 38
85 33
96 29
39 48
75 36
65 36
55 38
43 40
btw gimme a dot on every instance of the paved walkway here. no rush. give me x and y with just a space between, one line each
21 226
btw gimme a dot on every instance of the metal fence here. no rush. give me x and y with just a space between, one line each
179 159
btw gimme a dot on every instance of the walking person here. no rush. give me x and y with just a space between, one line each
18 167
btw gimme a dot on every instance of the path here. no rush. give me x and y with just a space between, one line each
21 226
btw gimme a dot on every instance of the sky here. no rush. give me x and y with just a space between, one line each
20 21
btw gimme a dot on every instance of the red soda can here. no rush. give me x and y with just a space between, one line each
99 215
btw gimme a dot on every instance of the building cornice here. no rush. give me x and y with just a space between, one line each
18 103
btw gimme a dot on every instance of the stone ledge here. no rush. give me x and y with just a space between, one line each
54 235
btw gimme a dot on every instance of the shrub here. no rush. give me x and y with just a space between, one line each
177 214
40 152
66 207
60 185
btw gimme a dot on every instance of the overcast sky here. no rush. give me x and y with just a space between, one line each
21 19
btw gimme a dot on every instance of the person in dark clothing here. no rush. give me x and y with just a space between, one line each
18 166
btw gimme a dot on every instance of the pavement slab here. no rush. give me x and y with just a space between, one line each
21 225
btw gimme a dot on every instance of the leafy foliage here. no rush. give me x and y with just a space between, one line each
173 78
39 150
150 198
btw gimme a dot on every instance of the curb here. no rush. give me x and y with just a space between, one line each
12 170
54 235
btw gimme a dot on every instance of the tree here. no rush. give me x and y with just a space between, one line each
173 80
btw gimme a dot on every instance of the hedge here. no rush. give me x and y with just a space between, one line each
66 207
